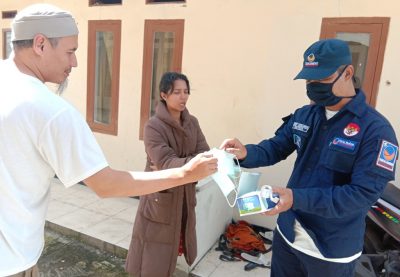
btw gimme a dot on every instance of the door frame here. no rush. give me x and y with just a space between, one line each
378 28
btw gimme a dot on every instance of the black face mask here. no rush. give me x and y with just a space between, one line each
322 94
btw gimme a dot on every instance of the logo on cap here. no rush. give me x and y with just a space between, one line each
311 61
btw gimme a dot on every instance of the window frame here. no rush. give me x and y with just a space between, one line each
166 2
103 26
8 14
93 3
4 36
150 27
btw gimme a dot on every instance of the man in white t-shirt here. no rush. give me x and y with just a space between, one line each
42 135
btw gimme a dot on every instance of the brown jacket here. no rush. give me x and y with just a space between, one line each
163 216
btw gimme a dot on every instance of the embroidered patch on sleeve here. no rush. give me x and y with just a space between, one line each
300 127
387 155
297 140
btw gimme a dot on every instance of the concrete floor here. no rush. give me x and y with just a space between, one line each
89 236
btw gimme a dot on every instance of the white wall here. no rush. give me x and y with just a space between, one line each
240 56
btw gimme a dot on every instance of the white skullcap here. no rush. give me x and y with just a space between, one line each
43 19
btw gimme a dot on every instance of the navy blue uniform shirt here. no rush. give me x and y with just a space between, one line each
343 165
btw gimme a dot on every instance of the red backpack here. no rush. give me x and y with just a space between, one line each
240 237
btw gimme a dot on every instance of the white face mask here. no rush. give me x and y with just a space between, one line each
227 175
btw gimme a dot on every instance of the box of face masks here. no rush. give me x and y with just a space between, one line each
250 200
244 194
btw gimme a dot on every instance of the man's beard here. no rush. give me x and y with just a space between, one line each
62 87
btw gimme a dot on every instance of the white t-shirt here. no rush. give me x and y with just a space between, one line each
329 114
40 135
305 244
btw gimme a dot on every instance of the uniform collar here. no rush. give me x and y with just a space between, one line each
357 105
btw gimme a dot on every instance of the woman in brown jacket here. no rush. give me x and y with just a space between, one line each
165 224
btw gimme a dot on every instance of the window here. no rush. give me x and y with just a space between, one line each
104 47
366 37
163 44
165 1
8 14
104 2
6 43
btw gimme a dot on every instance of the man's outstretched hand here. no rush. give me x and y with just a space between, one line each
201 166
234 146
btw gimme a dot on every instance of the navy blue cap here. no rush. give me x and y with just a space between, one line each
323 58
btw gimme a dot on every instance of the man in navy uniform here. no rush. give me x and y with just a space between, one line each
346 154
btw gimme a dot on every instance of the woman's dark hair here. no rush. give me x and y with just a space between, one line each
167 82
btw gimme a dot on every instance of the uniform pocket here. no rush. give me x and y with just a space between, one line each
158 207
340 161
